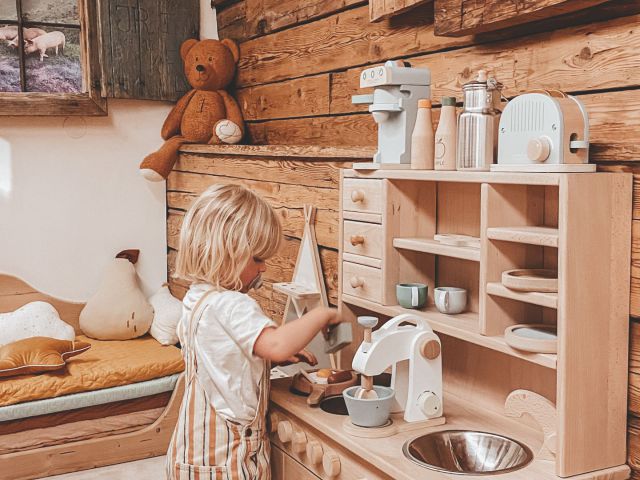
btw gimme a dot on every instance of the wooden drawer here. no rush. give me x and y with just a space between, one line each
361 195
362 281
363 239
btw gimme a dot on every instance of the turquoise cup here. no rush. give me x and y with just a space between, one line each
411 295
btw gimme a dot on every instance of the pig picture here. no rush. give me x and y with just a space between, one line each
9 32
27 34
42 43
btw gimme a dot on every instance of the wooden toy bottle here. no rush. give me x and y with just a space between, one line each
446 136
422 139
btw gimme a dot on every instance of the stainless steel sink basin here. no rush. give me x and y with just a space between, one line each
467 452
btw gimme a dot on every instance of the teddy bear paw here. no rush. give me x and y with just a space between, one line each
228 132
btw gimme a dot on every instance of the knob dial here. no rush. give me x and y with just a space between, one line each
357 240
331 464
357 196
285 431
430 404
538 149
314 452
299 441
356 282
273 420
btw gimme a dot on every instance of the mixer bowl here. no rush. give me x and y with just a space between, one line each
468 452
369 412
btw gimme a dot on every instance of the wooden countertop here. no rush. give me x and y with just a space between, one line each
293 151
386 453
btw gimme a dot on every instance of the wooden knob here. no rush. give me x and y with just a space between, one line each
430 349
299 443
314 452
273 420
357 196
331 464
357 240
285 431
356 282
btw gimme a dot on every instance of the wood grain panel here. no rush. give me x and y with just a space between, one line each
464 17
322 174
634 368
380 9
232 22
338 42
633 445
300 97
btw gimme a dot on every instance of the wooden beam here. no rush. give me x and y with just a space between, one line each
381 9
467 17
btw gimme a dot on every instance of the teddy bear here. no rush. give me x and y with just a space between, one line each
206 114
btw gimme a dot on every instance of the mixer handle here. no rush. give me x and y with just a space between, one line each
406 317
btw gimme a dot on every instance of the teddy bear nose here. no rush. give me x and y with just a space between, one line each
200 68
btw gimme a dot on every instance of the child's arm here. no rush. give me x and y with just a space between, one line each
279 344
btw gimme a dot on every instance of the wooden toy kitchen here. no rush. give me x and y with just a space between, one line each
484 265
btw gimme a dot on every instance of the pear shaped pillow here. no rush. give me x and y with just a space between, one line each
119 309
35 319
167 311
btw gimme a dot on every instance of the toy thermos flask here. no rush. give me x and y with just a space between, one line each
478 123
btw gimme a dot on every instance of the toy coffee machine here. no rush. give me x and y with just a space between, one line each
394 105
544 131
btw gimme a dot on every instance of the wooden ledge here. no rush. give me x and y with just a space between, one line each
302 151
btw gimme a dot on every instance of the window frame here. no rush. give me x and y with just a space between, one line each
90 101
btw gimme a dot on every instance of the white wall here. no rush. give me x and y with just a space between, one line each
71 198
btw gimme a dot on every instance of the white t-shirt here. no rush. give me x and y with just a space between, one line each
227 368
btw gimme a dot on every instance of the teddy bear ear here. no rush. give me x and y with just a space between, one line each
233 47
186 46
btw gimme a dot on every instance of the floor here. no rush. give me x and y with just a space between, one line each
147 469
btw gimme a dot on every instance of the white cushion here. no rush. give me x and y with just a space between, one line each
35 319
167 311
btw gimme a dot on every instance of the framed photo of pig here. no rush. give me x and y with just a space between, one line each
49 54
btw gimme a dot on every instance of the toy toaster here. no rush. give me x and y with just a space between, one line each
544 131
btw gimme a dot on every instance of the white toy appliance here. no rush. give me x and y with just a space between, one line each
544 132
413 351
394 105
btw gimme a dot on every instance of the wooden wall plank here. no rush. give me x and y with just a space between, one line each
466 17
634 368
381 9
232 22
266 16
300 97
337 42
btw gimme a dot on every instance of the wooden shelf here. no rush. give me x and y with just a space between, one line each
544 236
549 300
300 151
431 246
516 178
463 326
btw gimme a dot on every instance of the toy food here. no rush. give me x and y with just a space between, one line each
324 373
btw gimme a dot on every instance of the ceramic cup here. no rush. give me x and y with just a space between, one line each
411 295
450 300
372 412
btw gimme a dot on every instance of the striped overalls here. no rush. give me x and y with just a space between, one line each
205 446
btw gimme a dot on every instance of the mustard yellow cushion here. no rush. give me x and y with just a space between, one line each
38 354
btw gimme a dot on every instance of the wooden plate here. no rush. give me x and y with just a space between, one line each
531 280
535 337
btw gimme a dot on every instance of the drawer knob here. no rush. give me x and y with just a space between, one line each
314 452
356 282
285 431
357 240
273 420
331 464
357 196
299 443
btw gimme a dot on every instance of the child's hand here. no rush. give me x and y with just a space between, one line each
333 318
301 356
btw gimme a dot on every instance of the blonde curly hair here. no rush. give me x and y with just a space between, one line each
224 228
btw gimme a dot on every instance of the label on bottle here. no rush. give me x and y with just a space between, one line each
445 152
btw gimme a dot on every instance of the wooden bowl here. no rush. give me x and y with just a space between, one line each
531 280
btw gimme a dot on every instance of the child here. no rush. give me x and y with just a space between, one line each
228 342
